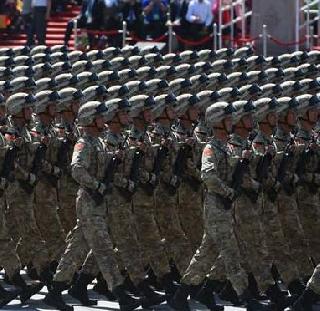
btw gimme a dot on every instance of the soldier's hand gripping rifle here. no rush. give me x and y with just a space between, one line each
36 167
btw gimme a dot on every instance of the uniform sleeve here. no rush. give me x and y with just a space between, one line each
81 159
210 175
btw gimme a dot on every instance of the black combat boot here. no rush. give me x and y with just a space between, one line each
53 266
253 304
306 301
175 272
79 290
179 301
206 297
126 302
168 284
54 297
296 288
228 293
254 288
32 272
102 288
130 287
280 297
153 280
149 296
7 296
26 290
46 276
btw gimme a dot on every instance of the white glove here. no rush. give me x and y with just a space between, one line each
173 180
152 178
295 179
130 185
55 170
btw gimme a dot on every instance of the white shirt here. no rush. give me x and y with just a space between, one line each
39 3
201 10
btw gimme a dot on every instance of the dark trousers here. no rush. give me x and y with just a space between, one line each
81 23
40 23
28 28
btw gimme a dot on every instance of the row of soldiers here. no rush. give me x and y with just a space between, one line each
142 190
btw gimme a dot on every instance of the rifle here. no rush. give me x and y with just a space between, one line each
36 167
8 165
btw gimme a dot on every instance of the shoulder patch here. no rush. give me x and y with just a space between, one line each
78 146
207 152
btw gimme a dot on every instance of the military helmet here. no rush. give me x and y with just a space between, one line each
45 84
22 83
16 102
86 78
195 83
217 112
41 70
166 72
135 87
80 66
94 92
184 102
139 103
129 50
44 99
287 103
6 52
307 101
137 61
171 59
206 56
242 107
90 110
162 101
126 75
266 105
21 50
100 65
111 52
6 61
115 105
26 71
156 86
238 77
59 67
146 72
108 77
149 49
39 49
94 55
75 56
189 56
23 61
118 91
179 85
65 79
67 96
243 52
41 58
59 57
182 70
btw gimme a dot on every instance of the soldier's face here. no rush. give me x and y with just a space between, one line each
193 114
147 115
291 118
75 107
272 119
52 110
124 119
100 123
170 113
228 124
2 111
313 115
247 122
27 112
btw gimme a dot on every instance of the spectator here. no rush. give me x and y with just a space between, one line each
10 9
132 14
200 17
155 16
41 13
28 21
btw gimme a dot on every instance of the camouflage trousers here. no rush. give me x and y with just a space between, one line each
309 213
294 233
190 211
20 216
67 203
148 234
9 259
219 228
123 232
46 212
251 241
89 241
314 282
277 244
177 244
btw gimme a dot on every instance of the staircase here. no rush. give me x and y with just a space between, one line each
55 30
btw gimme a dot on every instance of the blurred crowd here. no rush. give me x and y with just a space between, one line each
146 19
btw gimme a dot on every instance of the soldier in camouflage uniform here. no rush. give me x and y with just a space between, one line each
142 111
265 173
126 181
190 193
20 201
285 162
215 172
177 244
89 162
68 134
46 190
308 172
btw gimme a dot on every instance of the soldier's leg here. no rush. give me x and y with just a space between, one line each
124 236
191 214
9 259
148 234
67 203
314 282
31 245
177 244
294 233
309 214
277 244
46 212
251 241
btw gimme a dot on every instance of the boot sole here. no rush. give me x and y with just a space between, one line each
6 300
130 307
48 302
146 303
87 303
